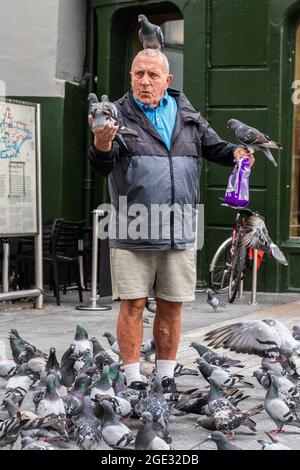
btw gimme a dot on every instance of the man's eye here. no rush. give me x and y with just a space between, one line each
139 74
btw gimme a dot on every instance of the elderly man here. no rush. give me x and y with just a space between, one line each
159 166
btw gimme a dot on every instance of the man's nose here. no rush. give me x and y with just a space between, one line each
145 80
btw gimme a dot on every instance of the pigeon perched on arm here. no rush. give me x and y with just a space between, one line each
104 113
151 35
213 301
253 139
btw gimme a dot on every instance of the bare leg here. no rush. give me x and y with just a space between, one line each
130 329
166 329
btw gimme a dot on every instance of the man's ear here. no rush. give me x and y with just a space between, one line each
170 79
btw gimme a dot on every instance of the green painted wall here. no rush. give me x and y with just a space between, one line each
63 130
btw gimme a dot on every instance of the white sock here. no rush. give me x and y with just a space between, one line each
132 372
165 368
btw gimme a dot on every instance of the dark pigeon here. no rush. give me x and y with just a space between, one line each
253 139
151 35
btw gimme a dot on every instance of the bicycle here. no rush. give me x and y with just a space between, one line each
229 264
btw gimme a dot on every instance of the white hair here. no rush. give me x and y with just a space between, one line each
156 53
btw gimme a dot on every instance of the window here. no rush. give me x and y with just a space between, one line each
295 182
173 32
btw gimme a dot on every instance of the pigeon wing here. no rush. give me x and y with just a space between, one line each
254 337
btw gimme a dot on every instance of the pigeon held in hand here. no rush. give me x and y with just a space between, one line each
104 113
151 35
253 139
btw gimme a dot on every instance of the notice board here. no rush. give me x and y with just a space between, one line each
18 168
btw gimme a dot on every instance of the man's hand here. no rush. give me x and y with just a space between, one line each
241 152
103 136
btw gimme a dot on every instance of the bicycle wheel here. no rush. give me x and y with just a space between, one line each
219 268
236 272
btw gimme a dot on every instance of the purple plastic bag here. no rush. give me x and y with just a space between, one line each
237 192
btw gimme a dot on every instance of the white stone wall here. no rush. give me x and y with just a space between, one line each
42 44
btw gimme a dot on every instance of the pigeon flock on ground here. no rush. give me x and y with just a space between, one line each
82 399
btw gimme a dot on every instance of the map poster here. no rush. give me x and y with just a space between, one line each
18 168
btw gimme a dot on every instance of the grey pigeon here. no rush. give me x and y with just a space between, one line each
104 113
296 332
28 443
103 386
81 340
17 387
155 403
256 236
52 362
214 358
148 349
266 338
253 139
52 403
73 402
22 342
101 357
277 409
9 430
151 35
114 433
213 301
221 441
87 428
283 382
7 368
151 436
275 444
112 340
221 376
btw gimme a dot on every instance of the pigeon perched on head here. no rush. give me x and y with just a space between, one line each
104 113
213 301
214 358
151 35
256 236
221 441
266 338
253 139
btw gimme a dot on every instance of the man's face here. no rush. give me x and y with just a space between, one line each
149 80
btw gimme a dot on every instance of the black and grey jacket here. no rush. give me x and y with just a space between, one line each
149 175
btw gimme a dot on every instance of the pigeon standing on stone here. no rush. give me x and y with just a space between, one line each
151 35
17 387
87 429
73 402
112 340
214 358
81 340
151 436
7 368
221 441
253 139
213 301
277 409
52 362
155 403
256 236
114 433
273 445
221 376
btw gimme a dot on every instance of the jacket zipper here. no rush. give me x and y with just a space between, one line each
172 200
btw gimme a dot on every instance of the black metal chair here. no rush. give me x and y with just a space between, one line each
64 253
60 252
